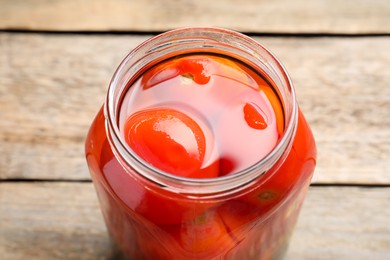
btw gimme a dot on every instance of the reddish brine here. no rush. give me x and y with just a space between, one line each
202 116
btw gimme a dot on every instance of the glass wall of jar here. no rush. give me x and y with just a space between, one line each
241 195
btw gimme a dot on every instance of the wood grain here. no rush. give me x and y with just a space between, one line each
278 16
52 85
51 221
343 223
63 221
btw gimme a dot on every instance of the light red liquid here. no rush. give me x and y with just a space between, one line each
218 121
211 113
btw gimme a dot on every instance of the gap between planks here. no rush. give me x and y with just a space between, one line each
293 16
151 33
325 185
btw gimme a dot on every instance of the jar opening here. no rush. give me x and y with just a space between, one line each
213 41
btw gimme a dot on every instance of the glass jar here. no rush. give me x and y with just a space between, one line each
152 214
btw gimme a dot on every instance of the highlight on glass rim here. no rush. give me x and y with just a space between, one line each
200 150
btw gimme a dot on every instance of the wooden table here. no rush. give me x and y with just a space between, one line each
56 60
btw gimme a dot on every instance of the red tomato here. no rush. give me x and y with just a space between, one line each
204 237
238 218
195 68
254 117
169 140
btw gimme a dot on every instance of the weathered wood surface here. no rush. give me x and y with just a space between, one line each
51 86
278 16
51 221
63 221
343 223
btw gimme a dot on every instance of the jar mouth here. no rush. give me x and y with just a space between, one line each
203 39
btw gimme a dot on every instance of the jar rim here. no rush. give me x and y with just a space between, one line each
201 37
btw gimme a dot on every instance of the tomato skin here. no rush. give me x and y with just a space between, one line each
203 237
170 141
253 118
196 68
238 218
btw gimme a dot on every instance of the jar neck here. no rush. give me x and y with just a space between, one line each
205 40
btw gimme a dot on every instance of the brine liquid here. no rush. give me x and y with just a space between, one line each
201 115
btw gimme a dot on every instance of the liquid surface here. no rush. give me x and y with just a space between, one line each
201 116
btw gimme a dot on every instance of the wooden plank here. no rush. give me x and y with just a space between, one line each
278 16
62 221
51 221
343 223
341 88
51 86
50 91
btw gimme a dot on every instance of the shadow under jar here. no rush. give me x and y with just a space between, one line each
200 150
